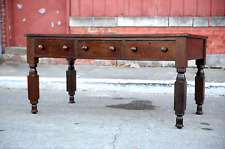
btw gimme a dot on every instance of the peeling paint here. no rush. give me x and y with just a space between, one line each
101 30
57 12
59 22
92 30
19 6
42 10
24 19
52 24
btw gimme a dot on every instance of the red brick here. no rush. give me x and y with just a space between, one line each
187 29
124 32
76 30
222 28
219 49
3 17
219 32
210 50
130 28
210 33
216 40
213 37
214 28
209 42
205 29
3 37
219 42
116 28
159 28
3 29
171 29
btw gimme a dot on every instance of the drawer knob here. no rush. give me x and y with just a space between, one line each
112 48
85 48
164 49
134 49
40 47
65 47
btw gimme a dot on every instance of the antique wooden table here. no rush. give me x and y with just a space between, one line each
151 47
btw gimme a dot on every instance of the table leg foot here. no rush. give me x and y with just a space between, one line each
199 110
71 100
34 108
179 121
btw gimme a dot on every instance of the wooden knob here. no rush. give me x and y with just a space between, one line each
134 49
164 49
65 47
40 47
85 48
112 48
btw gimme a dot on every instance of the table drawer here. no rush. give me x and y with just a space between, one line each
99 48
54 48
150 49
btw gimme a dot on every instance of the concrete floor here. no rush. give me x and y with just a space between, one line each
108 120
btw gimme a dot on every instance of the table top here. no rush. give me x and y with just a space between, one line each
118 35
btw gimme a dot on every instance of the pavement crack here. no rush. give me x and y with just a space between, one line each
115 138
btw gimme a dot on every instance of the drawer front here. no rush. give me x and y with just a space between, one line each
150 49
99 49
54 48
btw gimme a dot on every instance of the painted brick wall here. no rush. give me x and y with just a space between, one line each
215 44
101 8
35 16
52 16
3 24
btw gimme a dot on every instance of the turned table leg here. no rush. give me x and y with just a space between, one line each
33 87
71 80
199 86
180 95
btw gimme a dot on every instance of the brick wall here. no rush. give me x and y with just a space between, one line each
215 44
63 15
134 8
203 17
3 24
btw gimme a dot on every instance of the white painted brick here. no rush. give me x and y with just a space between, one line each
180 21
217 21
143 21
200 22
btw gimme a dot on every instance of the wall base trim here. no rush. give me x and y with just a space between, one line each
146 21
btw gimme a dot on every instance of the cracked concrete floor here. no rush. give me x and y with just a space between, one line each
107 120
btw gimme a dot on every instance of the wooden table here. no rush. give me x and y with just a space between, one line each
156 47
